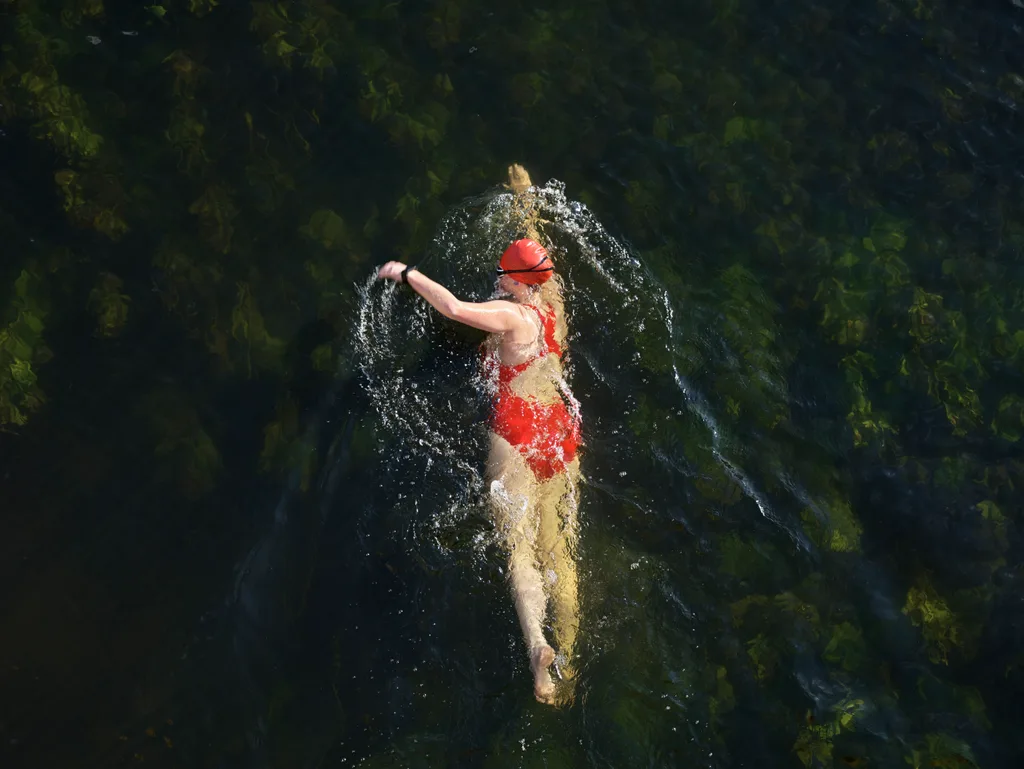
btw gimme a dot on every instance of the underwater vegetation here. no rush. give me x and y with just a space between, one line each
849 226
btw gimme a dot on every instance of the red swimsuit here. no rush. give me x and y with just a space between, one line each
547 435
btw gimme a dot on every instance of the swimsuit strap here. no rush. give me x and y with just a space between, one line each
547 323
508 371
543 329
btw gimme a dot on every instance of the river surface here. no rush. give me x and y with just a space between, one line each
243 519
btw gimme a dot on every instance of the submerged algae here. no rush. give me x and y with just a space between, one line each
753 180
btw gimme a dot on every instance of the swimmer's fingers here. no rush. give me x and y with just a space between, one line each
391 271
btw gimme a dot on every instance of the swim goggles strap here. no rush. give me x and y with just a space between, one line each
536 268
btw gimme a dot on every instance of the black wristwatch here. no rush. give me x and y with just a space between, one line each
405 272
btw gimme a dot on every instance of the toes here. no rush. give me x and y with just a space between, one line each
545 694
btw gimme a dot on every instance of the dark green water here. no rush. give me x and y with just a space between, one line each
241 512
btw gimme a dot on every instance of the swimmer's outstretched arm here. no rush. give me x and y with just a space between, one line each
495 317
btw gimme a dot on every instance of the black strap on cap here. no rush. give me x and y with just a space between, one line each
536 268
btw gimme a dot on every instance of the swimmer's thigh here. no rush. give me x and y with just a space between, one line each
558 502
557 556
511 490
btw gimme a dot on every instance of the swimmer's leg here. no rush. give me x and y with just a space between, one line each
511 497
518 179
524 205
557 553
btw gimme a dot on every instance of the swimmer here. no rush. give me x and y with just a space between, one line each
533 462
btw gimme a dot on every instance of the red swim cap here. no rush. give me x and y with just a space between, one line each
527 261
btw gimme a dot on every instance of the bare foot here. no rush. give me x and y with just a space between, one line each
541 658
518 178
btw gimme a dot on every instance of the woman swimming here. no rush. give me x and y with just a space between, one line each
533 463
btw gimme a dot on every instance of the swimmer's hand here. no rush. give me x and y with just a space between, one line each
391 271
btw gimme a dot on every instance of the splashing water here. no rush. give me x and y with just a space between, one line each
425 385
